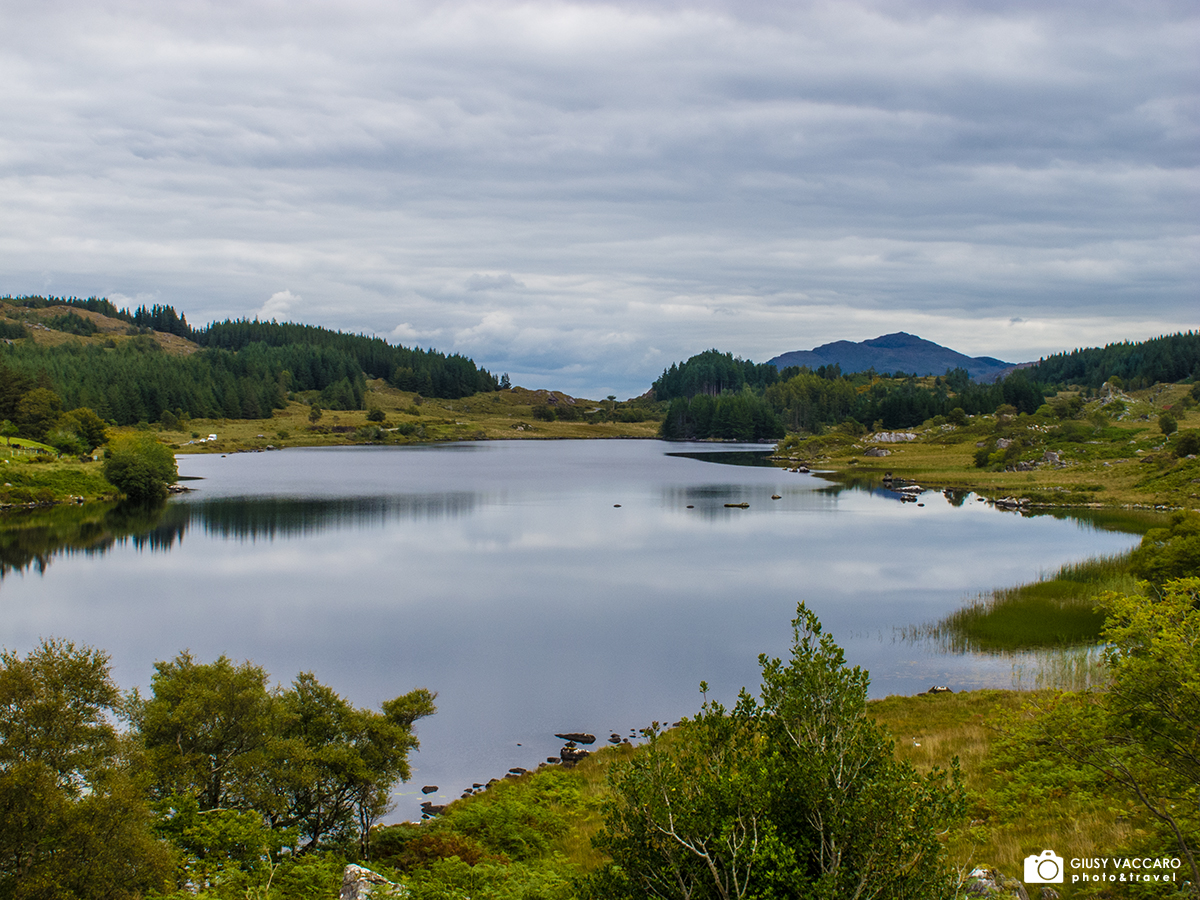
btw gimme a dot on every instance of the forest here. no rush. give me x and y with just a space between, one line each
245 369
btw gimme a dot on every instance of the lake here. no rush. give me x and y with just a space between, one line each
537 587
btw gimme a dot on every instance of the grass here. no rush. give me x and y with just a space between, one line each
1058 611
38 479
968 725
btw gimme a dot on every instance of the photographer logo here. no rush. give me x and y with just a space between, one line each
1045 868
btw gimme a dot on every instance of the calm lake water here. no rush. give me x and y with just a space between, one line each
504 576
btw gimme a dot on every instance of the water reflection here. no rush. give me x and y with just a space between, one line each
31 541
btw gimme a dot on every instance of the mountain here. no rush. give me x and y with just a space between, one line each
899 352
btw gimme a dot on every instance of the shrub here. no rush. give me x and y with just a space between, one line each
140 467
1187 443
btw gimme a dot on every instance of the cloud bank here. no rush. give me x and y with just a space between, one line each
580 193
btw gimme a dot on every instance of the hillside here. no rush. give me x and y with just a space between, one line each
899 352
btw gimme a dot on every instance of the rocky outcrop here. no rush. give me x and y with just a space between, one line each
988 882
359 883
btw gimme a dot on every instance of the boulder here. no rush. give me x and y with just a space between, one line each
572 755
939 689
429 789
359 883
878 451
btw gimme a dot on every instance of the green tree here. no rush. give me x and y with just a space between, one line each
140 467
73 821
37 412
207 729
8 430
794 794
1167 424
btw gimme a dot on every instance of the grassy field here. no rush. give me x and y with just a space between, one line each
410 419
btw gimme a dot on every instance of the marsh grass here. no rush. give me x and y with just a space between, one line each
1057 611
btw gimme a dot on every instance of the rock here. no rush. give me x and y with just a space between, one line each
939 689
1049 893
429 789
579 737
358 883
893 437
1052 458
1004 443
572 755
737 505
878 451
517 770
987 882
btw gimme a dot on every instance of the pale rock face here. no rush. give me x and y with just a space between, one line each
359 883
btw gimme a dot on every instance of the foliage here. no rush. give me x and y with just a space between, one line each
1135 365
304 761
140 467
794 794
1139 736
1167 424
740 417
73 822
712 373
1187 443
72 323
1170 552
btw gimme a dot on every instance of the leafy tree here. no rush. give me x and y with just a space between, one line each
89 427
1167 424
220 742
794 794
8 430
73 822
140 467
207 730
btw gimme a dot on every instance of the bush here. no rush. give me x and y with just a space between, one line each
1167 423
140 467
1187 443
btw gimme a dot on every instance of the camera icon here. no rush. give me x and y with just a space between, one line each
1046 868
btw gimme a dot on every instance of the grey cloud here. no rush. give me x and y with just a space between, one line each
816 169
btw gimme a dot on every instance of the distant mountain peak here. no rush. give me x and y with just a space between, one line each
895 352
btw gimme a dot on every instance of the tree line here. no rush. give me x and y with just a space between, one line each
1169 358
716 395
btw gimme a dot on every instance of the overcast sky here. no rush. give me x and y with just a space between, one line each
580 193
